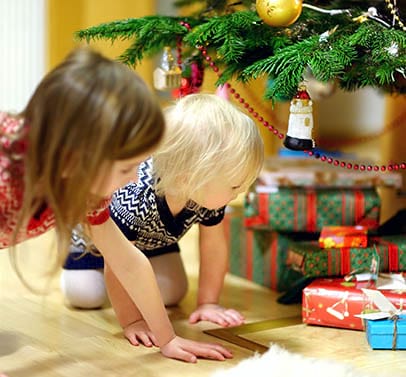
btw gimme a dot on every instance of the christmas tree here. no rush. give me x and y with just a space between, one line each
351 43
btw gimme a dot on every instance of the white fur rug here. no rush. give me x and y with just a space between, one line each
277 362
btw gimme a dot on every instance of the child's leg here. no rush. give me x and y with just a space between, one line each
84 289
84 286
171 277
82 280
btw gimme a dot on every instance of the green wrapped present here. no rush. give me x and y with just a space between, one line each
309 210
308 258
257 255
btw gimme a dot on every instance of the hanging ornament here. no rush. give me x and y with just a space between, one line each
168 75
279 13
192 77
299 135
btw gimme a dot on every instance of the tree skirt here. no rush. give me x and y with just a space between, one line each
277 362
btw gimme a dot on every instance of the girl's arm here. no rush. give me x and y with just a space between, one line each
214 259
128 315
213 263
124 307
135 274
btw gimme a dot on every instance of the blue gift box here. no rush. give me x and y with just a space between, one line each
386 334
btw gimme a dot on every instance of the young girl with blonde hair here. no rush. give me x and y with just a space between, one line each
84 132
210 153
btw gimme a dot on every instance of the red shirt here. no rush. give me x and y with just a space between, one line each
12 189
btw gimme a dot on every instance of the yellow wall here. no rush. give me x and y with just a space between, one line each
67 16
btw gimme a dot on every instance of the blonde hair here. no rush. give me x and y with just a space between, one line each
206 138
87 111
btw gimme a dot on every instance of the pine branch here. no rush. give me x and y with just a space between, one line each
215 7
353 54
150 35
230 35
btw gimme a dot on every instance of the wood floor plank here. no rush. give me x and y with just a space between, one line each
41 337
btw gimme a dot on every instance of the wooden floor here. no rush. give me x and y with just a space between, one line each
39 336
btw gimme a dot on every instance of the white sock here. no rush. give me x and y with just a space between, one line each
84 289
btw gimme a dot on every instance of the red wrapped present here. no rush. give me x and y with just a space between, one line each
309 210
343 236
335 302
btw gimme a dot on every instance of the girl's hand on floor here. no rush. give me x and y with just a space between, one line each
217 314
139 333
189 350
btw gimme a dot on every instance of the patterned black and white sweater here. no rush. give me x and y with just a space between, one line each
146 220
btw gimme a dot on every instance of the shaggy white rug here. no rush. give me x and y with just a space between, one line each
277 362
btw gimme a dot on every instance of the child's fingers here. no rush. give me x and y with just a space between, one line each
189 350
145 339
225 352
153 340
131 338
233 317
183 355
221 318
216 317
194 318
212 351
148 340
226 320
235 314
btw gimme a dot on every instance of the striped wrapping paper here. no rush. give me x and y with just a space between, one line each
308 258
259 256
309 210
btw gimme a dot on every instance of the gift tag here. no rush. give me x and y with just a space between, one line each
391 281
383 304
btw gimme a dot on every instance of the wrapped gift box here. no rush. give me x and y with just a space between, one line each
335 302
313 261
283 172
387 333
343 236
259 256
309 210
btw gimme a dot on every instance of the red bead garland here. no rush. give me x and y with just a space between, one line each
280 135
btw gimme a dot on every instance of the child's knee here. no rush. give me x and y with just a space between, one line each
84 289
172 290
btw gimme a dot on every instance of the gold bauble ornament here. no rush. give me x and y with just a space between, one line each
279 12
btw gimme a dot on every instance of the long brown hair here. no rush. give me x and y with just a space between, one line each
86 111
